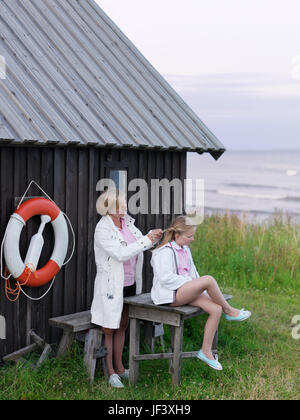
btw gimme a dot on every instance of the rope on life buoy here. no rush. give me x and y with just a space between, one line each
29 272
16 291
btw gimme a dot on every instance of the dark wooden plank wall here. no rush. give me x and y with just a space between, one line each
69 176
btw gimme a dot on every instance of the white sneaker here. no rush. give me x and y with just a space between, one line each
124 375
115 381
215 364
242 316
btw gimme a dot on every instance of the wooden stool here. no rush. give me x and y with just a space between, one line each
78 325
142 308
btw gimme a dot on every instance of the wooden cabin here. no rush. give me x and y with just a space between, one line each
78 103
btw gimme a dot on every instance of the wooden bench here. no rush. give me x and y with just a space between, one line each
78 325
142 308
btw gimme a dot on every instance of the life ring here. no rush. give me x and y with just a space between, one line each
15 264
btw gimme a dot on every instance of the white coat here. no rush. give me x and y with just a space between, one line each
110 252
166 280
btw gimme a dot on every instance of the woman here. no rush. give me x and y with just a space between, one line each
119 247
177 282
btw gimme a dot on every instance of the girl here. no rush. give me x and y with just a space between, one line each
177 282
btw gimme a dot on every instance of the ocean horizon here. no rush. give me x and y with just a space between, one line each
257 183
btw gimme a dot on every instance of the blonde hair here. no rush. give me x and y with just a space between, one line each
180 225
109 201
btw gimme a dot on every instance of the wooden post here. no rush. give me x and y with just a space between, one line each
19 353
93 340
171 349
178 338
134 346
47 350
65 342
37 339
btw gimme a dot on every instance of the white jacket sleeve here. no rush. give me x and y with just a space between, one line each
163 266
112 246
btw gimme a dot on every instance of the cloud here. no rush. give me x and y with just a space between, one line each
262 84
245 111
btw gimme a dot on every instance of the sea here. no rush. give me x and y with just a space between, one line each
256 184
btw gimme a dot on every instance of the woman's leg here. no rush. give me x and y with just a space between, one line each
109 334
193 289
214 314
118 342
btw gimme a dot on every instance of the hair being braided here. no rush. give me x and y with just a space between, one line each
179 225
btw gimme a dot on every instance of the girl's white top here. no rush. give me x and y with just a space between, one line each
166 280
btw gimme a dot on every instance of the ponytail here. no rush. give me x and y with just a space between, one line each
178 226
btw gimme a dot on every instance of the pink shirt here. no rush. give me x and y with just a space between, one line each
183 260
129 265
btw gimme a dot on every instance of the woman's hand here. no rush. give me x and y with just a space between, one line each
155 235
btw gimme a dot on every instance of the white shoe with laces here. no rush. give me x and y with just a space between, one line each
124 375
115 381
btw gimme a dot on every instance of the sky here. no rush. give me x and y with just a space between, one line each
235 62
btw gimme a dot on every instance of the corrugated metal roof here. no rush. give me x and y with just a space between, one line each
72 77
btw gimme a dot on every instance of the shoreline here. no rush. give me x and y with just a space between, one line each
251 216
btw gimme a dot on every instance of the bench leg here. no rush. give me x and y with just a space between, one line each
103 360
134 349
177 344
171 350
65 342
93 340
47 350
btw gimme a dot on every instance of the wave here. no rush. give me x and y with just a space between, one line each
253 195
292 172
290 198
289 172
259 196
253 186
251 211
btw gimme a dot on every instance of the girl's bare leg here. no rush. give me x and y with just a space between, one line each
193 289
214 314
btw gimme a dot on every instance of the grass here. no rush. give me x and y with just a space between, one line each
260 358
261 256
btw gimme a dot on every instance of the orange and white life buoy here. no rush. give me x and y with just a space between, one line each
24 273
